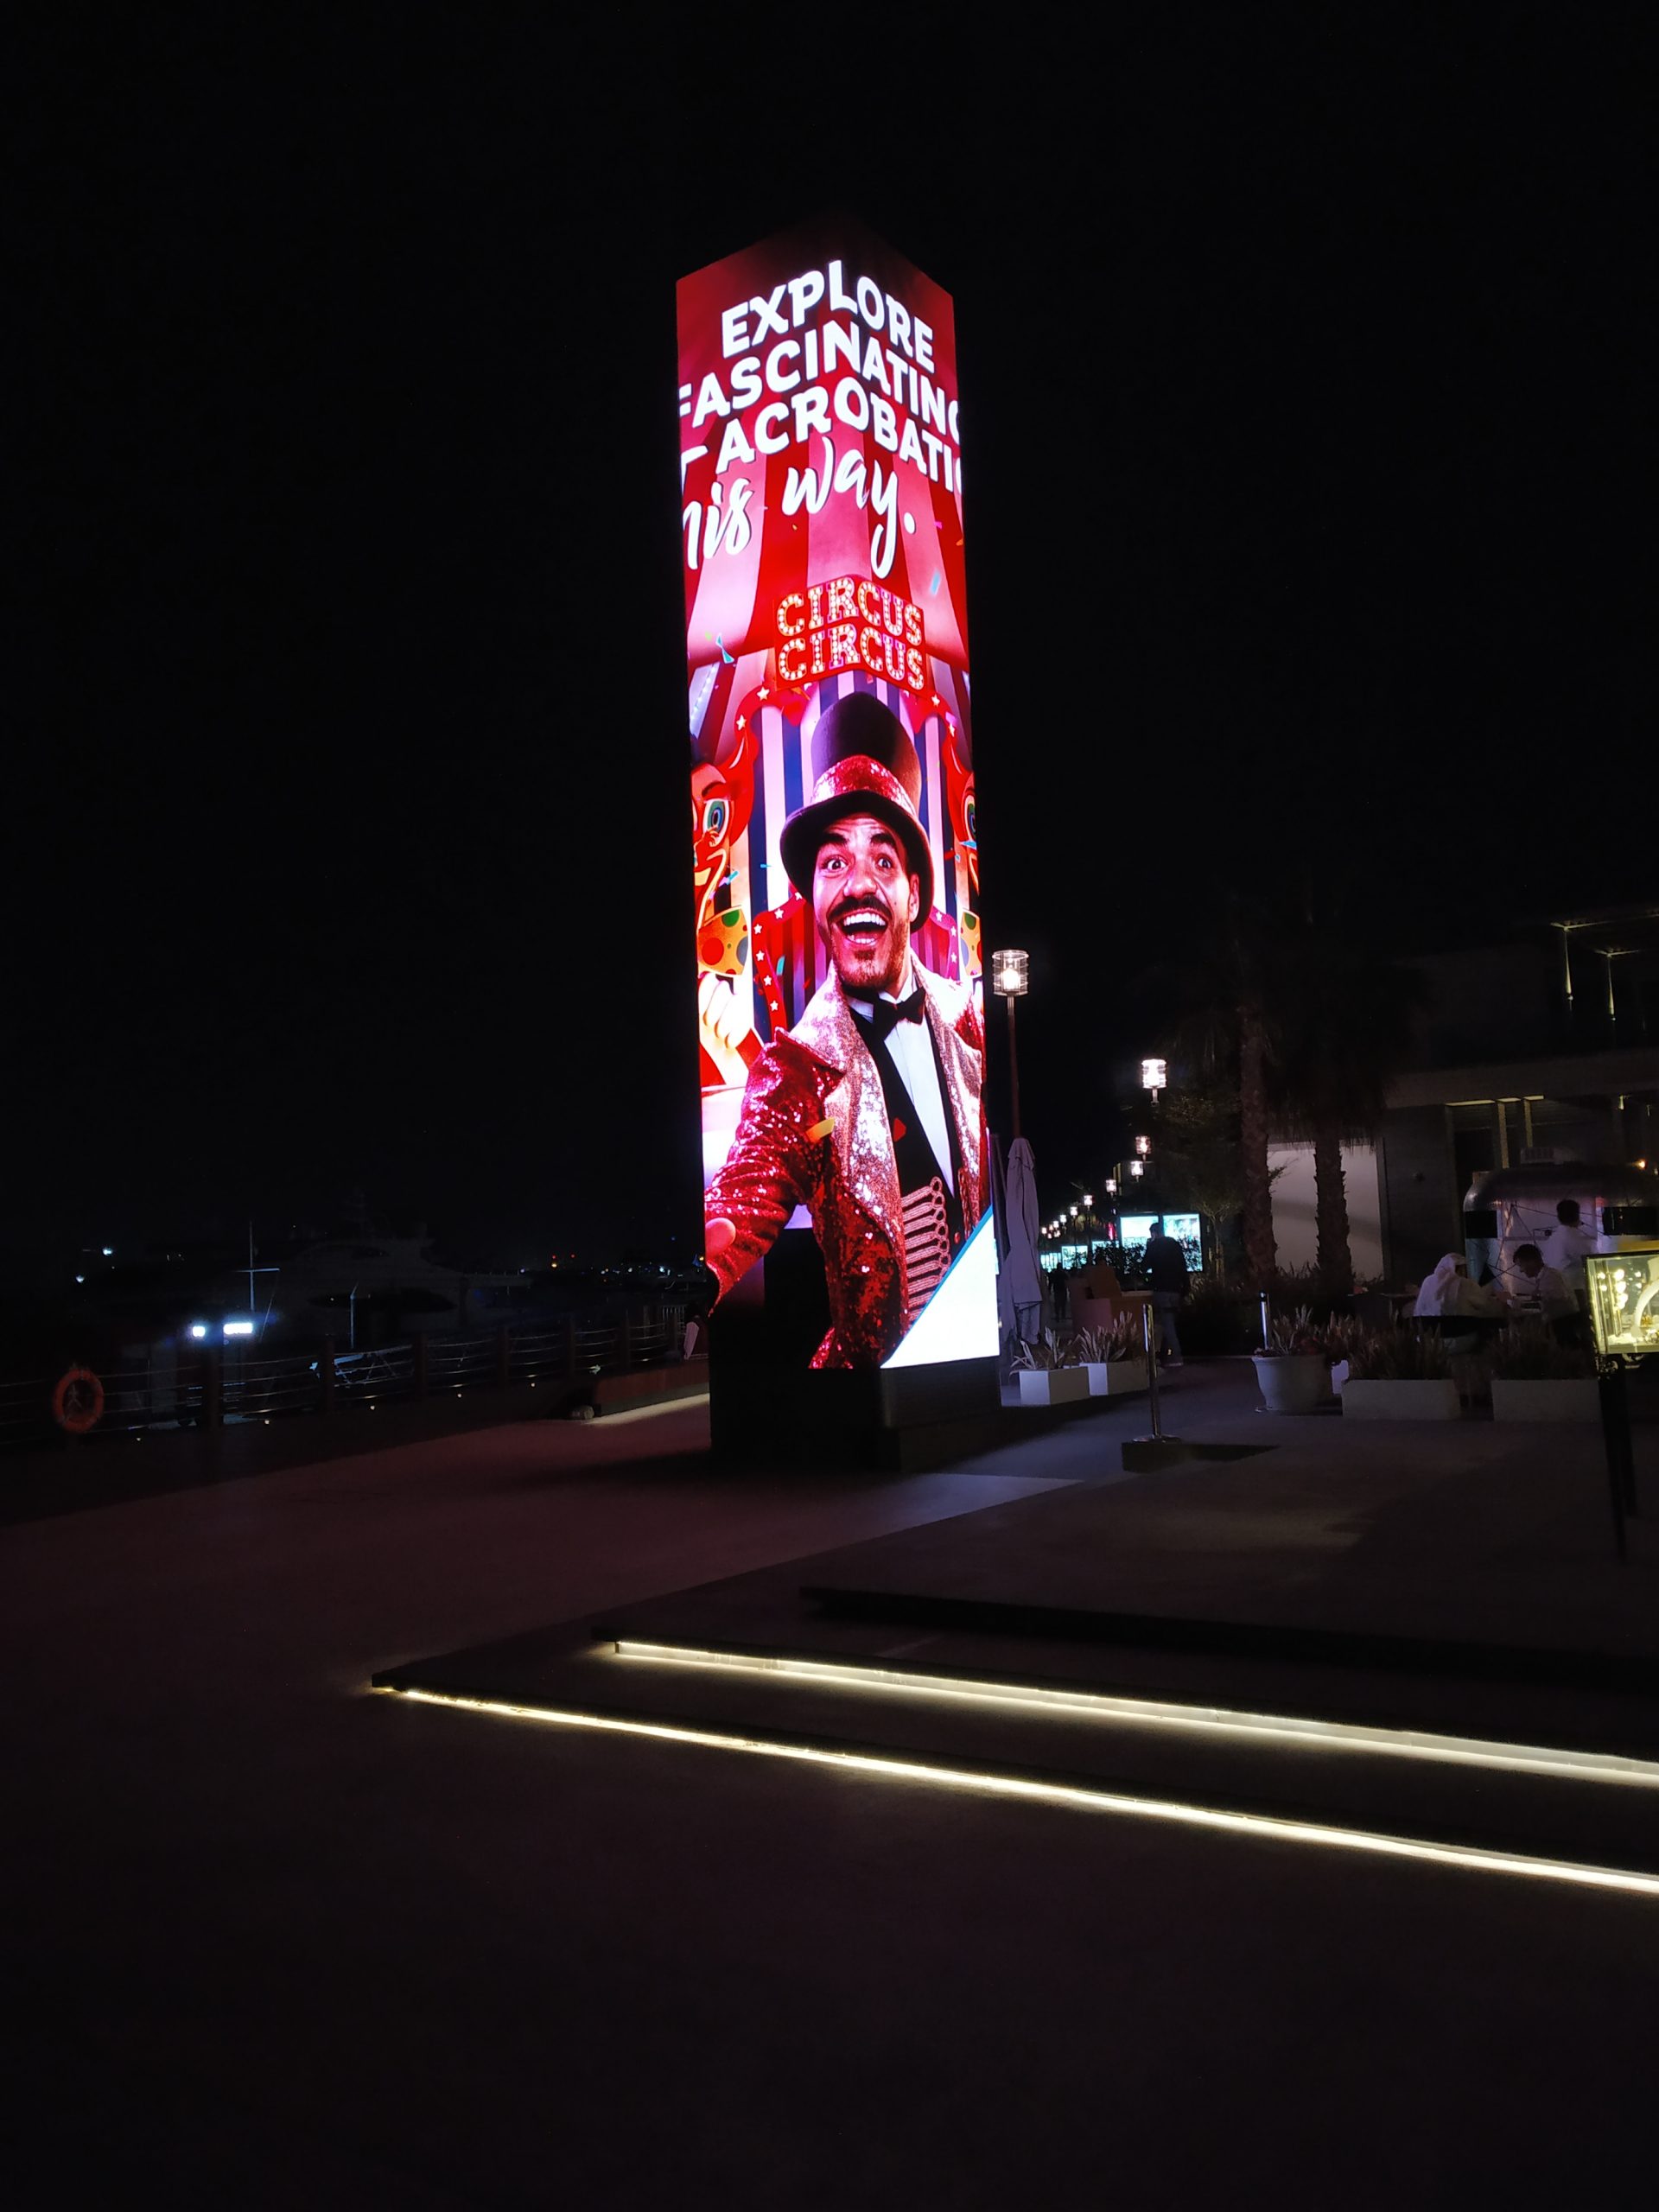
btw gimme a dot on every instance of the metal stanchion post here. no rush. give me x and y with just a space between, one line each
1616 1441
1149 1337
1267 1320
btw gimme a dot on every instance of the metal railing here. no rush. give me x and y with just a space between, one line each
207 1387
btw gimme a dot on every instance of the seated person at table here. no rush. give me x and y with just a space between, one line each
1541 1289
1448 1294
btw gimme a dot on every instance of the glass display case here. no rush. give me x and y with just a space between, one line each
1625 1300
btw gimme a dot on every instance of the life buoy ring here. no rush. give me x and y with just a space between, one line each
77 1401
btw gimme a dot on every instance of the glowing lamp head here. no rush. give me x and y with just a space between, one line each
1137 1168
1011 973
1155 1075
1143 1147
1111 1187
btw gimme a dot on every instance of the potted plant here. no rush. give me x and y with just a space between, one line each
1400 1374
1343 1335
1048 1375
1291 1370
1535 1378
1111 1358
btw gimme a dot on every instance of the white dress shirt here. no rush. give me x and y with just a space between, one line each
1547 1290
910 1045
1569 1244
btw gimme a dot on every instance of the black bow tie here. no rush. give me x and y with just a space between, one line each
886 1014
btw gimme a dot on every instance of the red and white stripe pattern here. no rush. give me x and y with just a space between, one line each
927 1245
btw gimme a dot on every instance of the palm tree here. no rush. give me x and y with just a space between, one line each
1198 1154
1345 1031
1306 1031
1220 1019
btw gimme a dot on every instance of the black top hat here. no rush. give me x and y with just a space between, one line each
865 763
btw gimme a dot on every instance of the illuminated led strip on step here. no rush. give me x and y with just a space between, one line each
1198 1720
1077 1796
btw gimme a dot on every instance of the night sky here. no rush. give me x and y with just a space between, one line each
1303 412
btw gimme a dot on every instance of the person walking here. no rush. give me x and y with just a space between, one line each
1166 1268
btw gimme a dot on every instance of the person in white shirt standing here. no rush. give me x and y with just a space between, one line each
1568 1243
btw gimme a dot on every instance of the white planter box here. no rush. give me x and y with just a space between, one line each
1111 1378
1052 1386
1558 1400
1436 1400
1292 1384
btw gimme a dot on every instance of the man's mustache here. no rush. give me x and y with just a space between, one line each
850 906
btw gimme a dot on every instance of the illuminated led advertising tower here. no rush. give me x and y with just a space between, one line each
839 1000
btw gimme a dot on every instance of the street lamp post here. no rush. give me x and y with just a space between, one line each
1011 980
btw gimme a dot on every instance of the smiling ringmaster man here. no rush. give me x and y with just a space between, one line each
867 1112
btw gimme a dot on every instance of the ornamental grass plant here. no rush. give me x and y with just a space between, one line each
1049 1351
1398 1355
1121 1340
1525 1352
1292 1336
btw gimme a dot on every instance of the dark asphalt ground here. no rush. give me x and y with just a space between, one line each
273 1941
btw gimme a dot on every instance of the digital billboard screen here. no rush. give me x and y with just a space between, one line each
1134 1229
840 1004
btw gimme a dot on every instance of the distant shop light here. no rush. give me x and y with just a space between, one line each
109 1251
198 1329
238 1328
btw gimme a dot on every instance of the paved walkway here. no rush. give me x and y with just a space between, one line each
277 1941
1475 1527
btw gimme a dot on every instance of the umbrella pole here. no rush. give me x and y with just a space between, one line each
1014 1065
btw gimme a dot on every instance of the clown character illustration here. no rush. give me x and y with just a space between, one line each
722 797
867 1113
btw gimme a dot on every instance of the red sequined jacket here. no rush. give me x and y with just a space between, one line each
814 1132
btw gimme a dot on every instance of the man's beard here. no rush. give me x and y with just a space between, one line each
870 961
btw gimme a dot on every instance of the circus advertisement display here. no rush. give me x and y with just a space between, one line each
839 998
